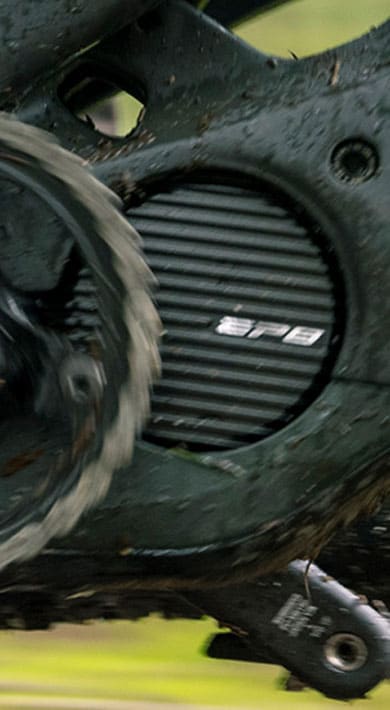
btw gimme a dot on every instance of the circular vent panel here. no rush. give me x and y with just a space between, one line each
247 302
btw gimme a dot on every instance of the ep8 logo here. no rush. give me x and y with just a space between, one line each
248 328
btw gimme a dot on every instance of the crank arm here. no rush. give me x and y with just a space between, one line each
301 619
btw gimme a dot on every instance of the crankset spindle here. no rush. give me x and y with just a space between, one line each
50 399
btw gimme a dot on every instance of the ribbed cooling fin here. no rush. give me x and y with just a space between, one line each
248 307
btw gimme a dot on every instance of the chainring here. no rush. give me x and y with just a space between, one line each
74 397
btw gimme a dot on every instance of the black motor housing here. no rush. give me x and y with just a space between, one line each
262 200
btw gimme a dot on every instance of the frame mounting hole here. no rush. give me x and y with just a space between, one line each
101 103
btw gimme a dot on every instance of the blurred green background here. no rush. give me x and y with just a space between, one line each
112 665
309 26
118 665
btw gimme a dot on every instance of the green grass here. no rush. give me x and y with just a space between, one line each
310 26
151 660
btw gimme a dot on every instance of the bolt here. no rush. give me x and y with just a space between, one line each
354 161
81 378
345 652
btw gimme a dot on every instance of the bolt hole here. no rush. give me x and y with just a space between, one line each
81 387
101 102
82 379
355 164
354 161
346 652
